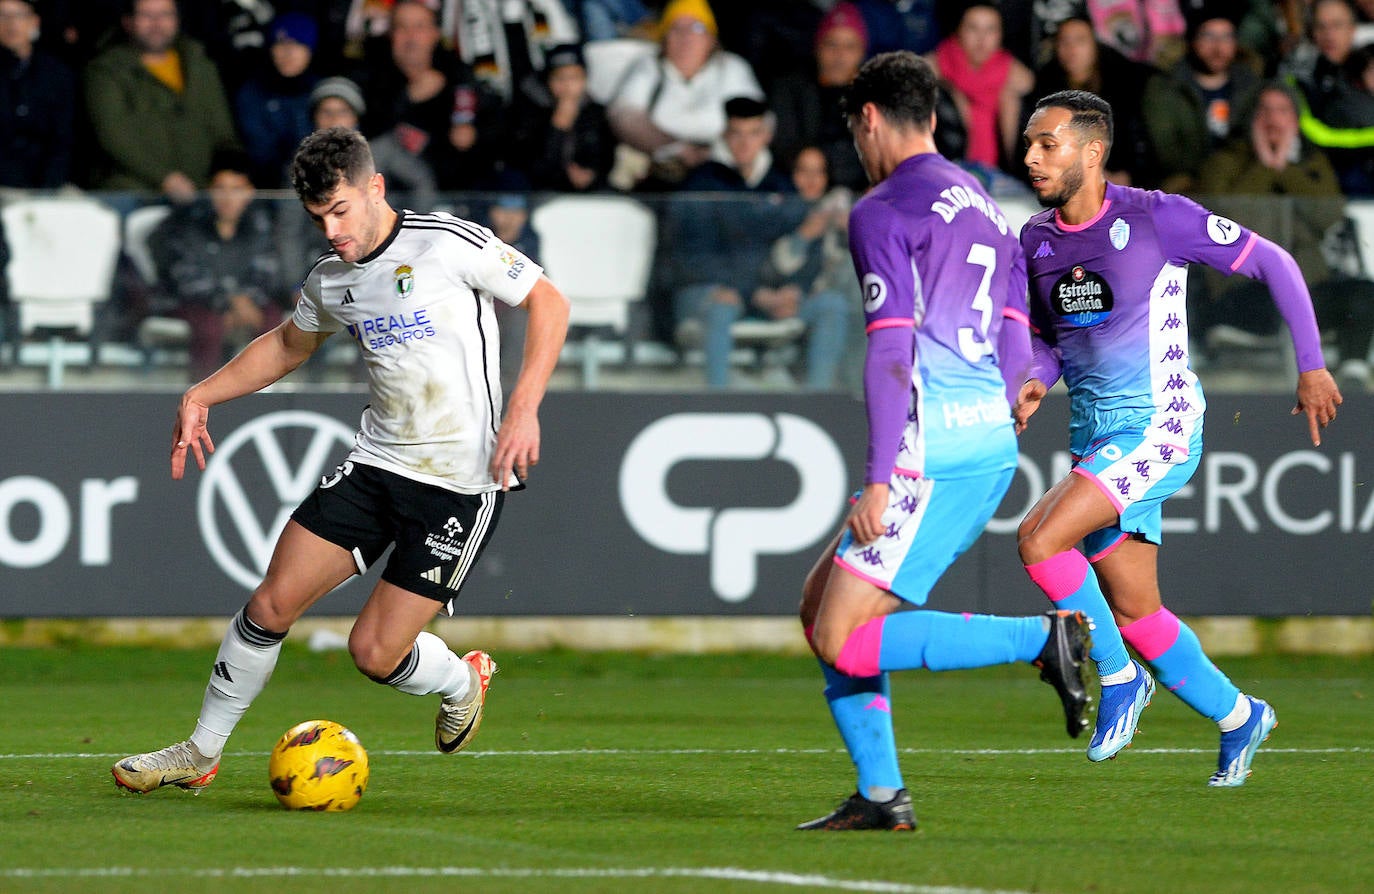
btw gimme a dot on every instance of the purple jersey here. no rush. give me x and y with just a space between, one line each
935 254
1108 302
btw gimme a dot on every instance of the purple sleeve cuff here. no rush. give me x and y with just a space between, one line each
1046 364
1014 353
887 389
1267 262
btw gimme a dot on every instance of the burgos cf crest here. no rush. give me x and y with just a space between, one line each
405 281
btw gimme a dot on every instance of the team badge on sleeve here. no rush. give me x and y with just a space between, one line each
1222 230
875 292
405 281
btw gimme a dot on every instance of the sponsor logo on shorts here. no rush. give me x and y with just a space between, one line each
446 544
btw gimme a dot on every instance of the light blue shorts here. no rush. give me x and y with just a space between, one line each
1137 473
929 525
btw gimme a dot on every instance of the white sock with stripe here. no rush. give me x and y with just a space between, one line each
247 656
432 667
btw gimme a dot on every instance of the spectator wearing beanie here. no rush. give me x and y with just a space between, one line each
273 107
808 106
671 106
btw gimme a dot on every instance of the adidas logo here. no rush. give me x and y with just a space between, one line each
434 575
1044 251
348 295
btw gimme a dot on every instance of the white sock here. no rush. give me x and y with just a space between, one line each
246 659
431 667
1125 675
1239 716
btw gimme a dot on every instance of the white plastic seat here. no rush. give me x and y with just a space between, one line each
155 333
63 253
599 251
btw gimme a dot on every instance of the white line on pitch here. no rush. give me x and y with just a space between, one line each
724 873
620 752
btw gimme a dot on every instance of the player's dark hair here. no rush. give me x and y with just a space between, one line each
901 84
1092 115
328 158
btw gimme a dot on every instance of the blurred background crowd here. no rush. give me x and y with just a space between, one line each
723 119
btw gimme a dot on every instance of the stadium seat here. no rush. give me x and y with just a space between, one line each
1362 213
607 62
155 333
599 251
63 252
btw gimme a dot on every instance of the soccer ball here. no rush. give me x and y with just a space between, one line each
318 765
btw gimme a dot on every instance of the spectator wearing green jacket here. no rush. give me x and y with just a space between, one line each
1244 181
1202 102
157 107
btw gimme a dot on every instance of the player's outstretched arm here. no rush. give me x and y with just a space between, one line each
266 359
1318 398
517 441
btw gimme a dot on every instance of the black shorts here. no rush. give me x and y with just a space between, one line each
439 534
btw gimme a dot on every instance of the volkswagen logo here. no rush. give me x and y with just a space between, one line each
260 445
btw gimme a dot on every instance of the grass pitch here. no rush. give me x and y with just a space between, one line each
678 774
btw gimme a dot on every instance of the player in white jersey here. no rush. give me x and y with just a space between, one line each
431 463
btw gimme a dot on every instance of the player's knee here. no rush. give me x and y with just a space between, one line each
267 610
371 659
1032 545
828 642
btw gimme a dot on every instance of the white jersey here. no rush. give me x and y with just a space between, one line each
420 308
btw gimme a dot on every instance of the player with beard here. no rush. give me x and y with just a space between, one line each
1108 289
430 465
945 303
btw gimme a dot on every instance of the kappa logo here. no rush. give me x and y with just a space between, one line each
240 534
1044 251
734 537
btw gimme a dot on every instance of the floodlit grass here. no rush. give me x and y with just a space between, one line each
677 774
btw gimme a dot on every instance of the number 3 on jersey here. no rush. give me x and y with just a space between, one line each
974 345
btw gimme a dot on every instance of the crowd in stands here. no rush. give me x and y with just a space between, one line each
199 103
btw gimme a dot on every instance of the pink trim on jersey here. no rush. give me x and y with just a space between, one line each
1074 228
1079 470
868 578
1153 635
1245 252
860 653
1016 315
890 323
1108 549
1060 576
907 473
